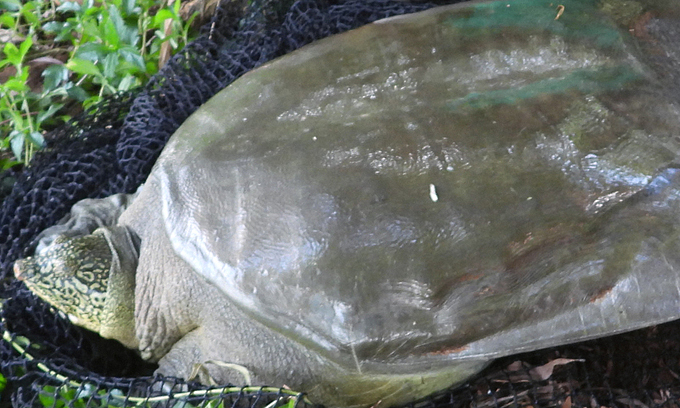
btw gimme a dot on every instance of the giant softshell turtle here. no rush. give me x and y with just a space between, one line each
379 214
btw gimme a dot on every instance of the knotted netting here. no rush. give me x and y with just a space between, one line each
111 148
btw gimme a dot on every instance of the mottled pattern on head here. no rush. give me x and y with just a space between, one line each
72 275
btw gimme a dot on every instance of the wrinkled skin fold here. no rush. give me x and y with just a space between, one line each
379 214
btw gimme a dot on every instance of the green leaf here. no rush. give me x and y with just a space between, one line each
92 9
4 165
131 55
10 5
69 6
12 53
91 52
117 20
110 64
53 76
130 8
83 67
151 68
67 393
128 34
183 404
189 22
46 99
36 138
160 17
16 85
8 21
131 36
53 26
17 120
77 93
290 403
28 13
43 115
47 396
110 33
87 103
25 46
160 35
3 380
63 30
16 143
86 391
119 401
90 30
23 75
128 82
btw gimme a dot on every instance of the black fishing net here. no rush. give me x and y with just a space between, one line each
111 148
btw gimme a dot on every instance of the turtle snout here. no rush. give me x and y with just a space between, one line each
20 269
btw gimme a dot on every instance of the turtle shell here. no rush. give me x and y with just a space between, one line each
462 183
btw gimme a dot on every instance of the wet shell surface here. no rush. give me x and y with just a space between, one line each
466 182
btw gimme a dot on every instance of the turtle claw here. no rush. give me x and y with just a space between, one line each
200 372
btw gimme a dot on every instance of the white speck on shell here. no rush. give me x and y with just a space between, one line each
433 193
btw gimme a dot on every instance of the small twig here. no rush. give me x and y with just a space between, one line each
560 11
6 121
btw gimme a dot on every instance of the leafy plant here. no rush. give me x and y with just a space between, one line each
63 57
14 98
59 397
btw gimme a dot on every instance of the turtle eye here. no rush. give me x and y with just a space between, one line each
86 274
55 268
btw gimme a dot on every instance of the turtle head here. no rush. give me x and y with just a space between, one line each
84 278
71 275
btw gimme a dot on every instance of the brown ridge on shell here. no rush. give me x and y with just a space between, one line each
448 350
